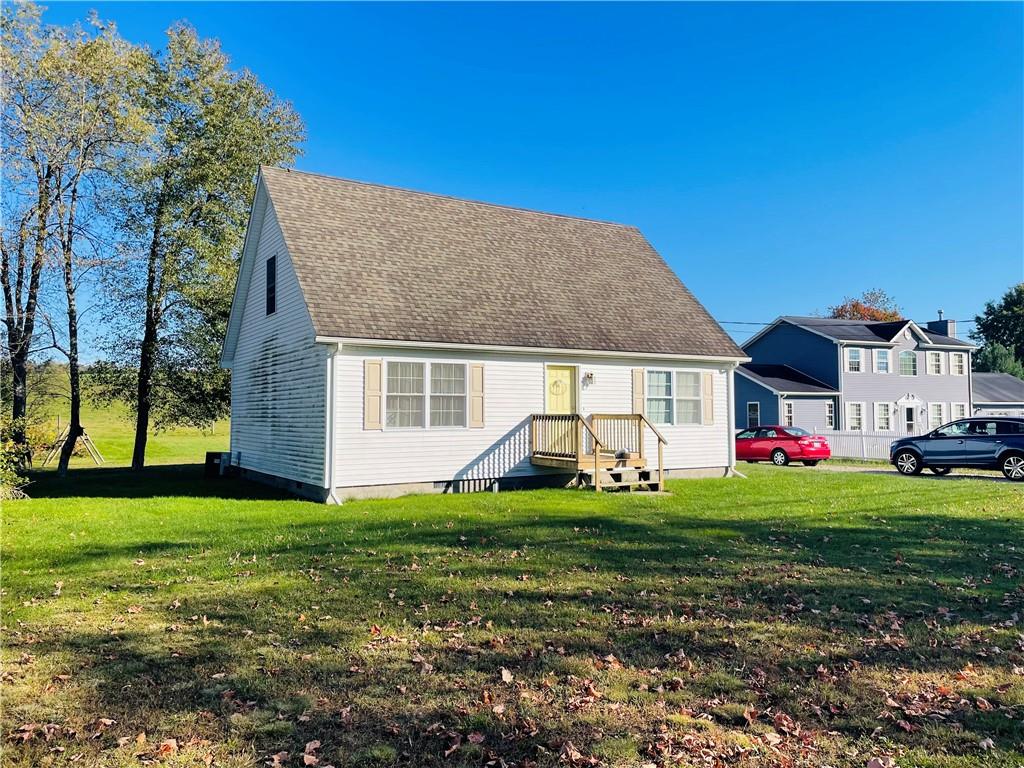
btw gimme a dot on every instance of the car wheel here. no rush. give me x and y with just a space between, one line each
811 463
908 463
779 458
941 471
1013 467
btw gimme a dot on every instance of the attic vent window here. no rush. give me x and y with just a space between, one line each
271 285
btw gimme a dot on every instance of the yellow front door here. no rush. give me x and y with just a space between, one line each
561 389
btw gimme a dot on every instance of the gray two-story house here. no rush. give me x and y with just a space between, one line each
855 375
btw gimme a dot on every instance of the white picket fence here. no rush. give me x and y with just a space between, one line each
861 445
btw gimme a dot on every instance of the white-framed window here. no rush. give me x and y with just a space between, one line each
674 397
753 414
958 363
958 410
854 362
855 416
419 393
935 415
934 363
448 395
688 397
883 417
787 413
908 363
881 361
659 397
830 415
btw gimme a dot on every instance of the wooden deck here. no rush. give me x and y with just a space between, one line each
601 451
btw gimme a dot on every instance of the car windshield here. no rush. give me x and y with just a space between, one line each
797 432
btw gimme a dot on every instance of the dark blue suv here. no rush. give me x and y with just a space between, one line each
980 443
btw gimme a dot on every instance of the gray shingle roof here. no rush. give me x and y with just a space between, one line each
385 263
783 378
997 388
864 330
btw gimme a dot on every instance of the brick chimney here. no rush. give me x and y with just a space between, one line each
945 327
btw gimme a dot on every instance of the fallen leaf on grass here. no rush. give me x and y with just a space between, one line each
506 676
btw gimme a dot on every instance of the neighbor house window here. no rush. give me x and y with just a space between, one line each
753 415
272 285
853 360
958 362
406 400
958 411
935 363
659 396
881 361
883 417
688 397
934 415
830 415
787 414
908 363
447 395
855 416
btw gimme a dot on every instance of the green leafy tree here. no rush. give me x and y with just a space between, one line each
1002 322
184 213
996 358
69 112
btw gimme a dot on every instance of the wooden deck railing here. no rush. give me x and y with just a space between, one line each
606 437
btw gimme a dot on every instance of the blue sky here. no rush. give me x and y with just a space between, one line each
779 156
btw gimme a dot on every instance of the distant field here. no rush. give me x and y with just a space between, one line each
112 429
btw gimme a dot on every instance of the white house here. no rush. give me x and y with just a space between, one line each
384 341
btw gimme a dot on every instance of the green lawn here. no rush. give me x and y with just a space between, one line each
795 618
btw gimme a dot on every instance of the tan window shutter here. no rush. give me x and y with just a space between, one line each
638 390
373 393
708 391
476 395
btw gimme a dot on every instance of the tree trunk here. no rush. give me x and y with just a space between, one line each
19 405
144 401
148 352
75 422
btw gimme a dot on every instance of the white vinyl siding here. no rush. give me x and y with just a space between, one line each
908 363
278 373
935 363
854 360
855 416
882 360
883 417
515 388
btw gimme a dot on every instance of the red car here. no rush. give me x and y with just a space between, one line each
781 445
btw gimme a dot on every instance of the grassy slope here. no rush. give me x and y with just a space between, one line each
878 613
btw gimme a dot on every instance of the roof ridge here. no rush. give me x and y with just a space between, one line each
407 191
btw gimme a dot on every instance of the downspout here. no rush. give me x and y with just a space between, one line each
731 387
330 429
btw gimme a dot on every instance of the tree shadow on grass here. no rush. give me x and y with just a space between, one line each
168 480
